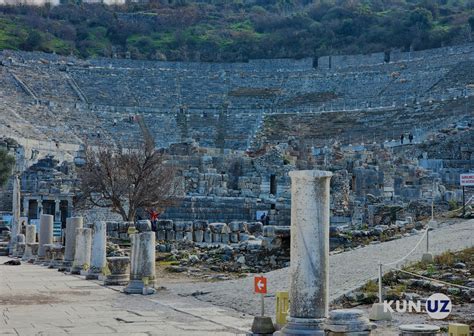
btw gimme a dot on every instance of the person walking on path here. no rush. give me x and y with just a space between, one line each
410 137
401 138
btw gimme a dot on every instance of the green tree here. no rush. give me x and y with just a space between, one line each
6 166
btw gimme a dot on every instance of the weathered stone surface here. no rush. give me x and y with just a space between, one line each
72 224
143 225
45 234
82 256
309 301
98 250
142 264
119 271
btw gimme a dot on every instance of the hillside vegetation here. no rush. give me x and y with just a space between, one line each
236 30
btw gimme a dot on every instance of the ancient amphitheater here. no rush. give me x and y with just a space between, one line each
235 106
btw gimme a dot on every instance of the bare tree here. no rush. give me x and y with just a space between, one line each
126 180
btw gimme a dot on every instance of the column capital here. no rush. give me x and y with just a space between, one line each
309 174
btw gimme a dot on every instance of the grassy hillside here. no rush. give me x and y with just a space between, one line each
237 30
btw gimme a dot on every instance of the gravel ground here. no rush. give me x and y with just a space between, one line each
348 270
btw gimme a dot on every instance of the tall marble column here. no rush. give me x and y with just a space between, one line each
82 256
72 224
30 239
309 263
142 264
15 229
45 234
98 251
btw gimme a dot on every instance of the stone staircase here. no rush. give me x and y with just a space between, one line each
4 238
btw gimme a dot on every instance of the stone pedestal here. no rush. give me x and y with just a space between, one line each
119 271
17 250
142 264
57 256
48 254
309 264
45 234
72 224
82 257
34 250
348 322
20 249
30 238
98 251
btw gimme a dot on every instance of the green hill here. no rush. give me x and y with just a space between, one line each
237 30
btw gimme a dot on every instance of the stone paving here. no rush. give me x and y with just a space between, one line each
347 271
39 301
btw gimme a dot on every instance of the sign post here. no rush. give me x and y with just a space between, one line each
260 287
465 180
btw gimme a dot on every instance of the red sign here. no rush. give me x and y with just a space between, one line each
260 284
467 180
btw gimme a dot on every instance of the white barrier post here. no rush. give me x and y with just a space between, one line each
377 313
427 256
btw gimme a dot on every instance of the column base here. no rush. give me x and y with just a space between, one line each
427 257
92 276
303 326
262 325
65 266
137 287
76 270
117 280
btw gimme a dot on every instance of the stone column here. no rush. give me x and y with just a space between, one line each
15 228
98 251
45 234
72 224
82 256
57 211
142 263
30 239
309 263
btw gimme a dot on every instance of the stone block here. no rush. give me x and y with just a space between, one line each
165 224
217 227
198 236
269 231
161 235
254 228
200 224
188 236
208 236
216 237
234 226
179 235
225 238
234 237
170 235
